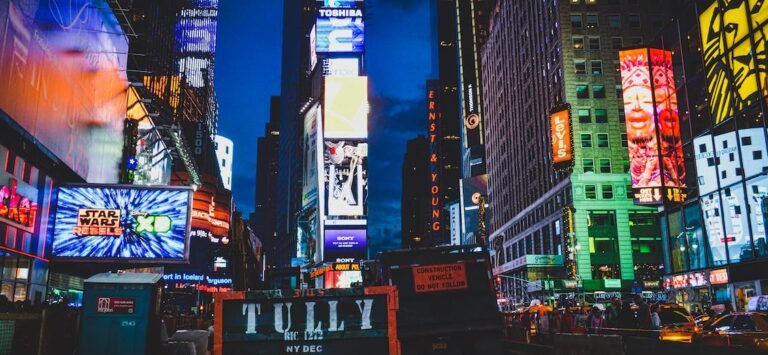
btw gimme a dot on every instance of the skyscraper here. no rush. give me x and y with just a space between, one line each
264 218
415 199
539 56
447 141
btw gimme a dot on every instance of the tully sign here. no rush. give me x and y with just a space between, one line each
339 321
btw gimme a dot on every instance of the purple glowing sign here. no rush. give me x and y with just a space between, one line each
345 245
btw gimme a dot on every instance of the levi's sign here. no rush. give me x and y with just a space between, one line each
444 277
326 322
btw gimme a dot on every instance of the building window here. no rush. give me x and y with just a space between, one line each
625 164
584 115
592 21
624 140
602 140
617 43
596 67
589 165
608 192
576 21
586 140
620 94
598 91
630 194
582 91
605 166
594 43
581 66
622 117
601 116
636 41
614 21
634 21
578 42
590 192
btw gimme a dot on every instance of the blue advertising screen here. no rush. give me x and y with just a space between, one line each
196 31
127 223
345 245
340 3
340 35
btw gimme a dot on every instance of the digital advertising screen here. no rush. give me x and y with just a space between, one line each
312 152
639 112
341 279
122 224
346 107
341 67
62 70
345 245
667 119
196 31
341 33
346 178
340 3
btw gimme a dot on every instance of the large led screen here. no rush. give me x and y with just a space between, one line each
729 56
346 107
340 34
312 152
639 108
62 79
122 223
196 31
345 245
346 178
667 118
341 67
656 161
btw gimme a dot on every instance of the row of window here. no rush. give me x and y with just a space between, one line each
607 192
614 21
598 91
593 42
602 140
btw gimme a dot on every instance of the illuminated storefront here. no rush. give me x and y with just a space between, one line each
721 224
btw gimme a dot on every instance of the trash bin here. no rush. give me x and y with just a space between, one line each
121 314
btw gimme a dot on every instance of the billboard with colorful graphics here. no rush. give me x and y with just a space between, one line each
562 140
62 79
340 31
122 223
656 161
346 107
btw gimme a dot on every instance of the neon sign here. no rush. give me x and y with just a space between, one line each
16 208
434 161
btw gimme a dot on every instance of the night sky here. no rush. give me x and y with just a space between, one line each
398 61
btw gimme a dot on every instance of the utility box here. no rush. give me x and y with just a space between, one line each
121 314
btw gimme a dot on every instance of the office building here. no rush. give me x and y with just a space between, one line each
414 202
579 217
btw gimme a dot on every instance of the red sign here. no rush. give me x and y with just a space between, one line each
718 276
443 277
115 305
16 208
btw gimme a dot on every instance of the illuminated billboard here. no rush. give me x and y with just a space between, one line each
312 48
339 32
341 67
474 191
562 139
340 3
345 245
196 31
62 79
346 107
656 161
346 178
312 152
122 223
731 61
342 279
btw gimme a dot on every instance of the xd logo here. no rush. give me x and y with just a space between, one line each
152 223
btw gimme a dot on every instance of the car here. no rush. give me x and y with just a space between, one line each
676 323
747 329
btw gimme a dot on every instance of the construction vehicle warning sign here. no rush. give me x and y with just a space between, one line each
442 277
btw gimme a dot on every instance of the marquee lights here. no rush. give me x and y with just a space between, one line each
17 208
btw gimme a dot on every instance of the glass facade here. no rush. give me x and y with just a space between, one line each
720 50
